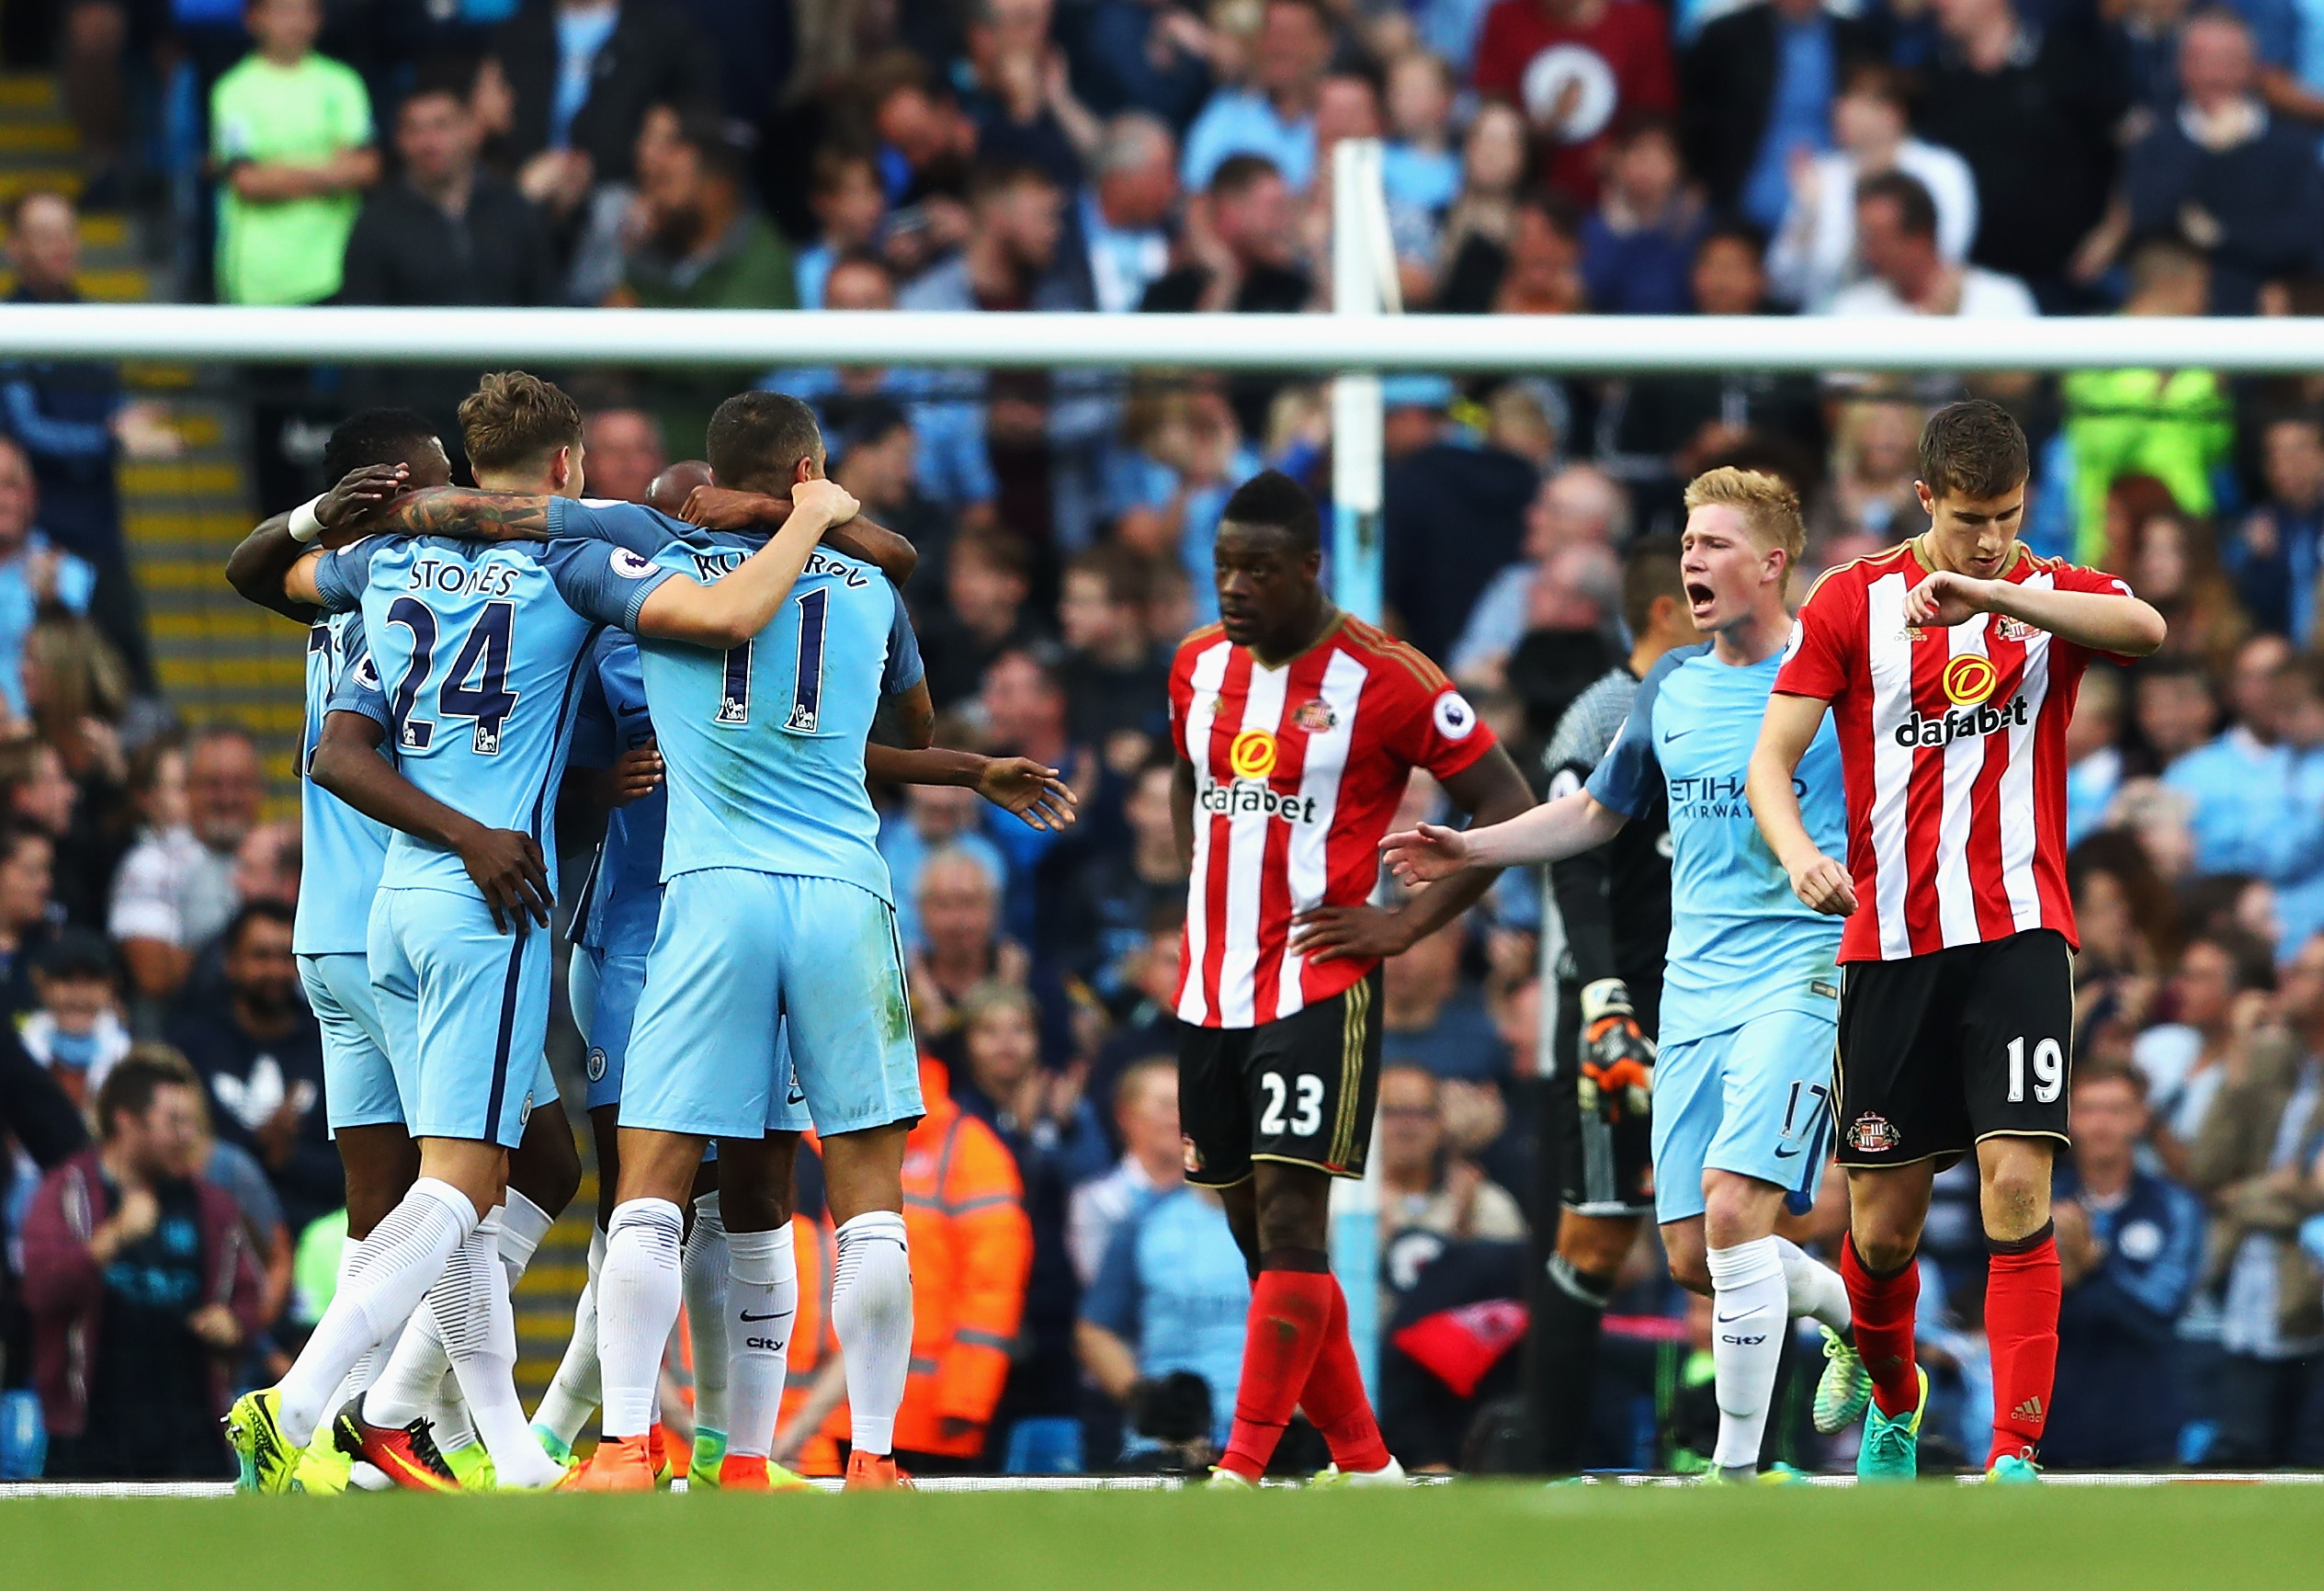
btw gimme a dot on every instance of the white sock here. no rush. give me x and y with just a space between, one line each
522 1224
871 1314
470 1311
702 1269
637 1305
572 1396
386 1275
1750 1313
762 1307
411 1385
1815 1289
366 1366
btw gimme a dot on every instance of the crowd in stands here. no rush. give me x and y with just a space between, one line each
1984 158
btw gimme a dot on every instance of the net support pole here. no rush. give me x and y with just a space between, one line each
1360 232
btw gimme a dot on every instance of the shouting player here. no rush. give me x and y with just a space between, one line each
1950 665
1614 903
1297 728
1749 988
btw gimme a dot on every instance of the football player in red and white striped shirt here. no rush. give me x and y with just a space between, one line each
1950 665
1297 728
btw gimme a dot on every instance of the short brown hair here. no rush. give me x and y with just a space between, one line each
128 1088
515 418
1769 507
2095 1069
1974 448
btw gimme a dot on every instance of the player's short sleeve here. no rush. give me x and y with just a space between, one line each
905 668
2066 576
1628 778
1436 727
605 581
642 530
359 690
1182 696
1827 638
341 577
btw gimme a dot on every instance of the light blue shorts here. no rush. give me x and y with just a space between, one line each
604 986
740 957
465 1009
358 1085
1755 1099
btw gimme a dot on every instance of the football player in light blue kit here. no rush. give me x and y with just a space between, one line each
777 915
1741 1087
373 455
478 649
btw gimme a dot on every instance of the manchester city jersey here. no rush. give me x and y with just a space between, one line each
1742 943
764 743
624 893
480 649
341 851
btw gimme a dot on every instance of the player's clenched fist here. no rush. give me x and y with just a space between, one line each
1617 1058
827 496
1424 855
1824 884
1946 600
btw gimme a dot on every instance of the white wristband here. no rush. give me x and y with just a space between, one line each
304 526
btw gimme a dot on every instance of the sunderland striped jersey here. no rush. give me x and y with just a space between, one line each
1297 770
1953 748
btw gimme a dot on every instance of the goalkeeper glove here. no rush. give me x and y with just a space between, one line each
1617 1058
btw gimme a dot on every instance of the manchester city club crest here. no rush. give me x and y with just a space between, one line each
596 1066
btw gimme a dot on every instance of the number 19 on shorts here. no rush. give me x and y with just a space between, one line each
2049 1071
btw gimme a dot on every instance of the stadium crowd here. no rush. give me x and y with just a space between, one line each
1973 157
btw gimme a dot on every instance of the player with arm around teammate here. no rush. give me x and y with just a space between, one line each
1742 1078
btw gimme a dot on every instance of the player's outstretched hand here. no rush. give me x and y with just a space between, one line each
361 493
721 509
507 866
1334 933
1424 855
1944 599
1824 885
826 494
634 774
1034 794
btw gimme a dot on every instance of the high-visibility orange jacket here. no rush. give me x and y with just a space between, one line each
813 1345
972 1252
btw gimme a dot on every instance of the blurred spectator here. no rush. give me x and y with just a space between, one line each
236 1170
72 421
987 578
175 887
28 915
1581 505
1435 1019
1875 462
2176 425
1144 55
971 1254
1145 1101
623 452
2224 175
1023 704
875 454
2274 558
2170 560
291 134
1756 88
1420 169
1433 581
74 1028
933 818
2217 996
33 573
962 948
1119 895
1424 1185
2244 782
1122 214
2093 753
1575 68
261 1055
1814 254
1274 117
2256 1162
1541 274
844 191
1472 245
1905 273
1115 679
2130 1248
36 792
1169 1291
1021 99
707 246
2033 109
141 1287
581 75
1637 246
2174 708
1241 248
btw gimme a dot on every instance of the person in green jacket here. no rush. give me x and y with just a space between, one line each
707 247
2177 426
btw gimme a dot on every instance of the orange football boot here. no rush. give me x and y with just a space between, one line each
623 1465
874 1472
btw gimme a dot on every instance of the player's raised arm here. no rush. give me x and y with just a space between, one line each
1036 796
723 509
2103 620
1784 737
743 602
1564 827
256 568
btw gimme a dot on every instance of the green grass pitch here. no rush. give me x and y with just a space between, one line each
1477 1537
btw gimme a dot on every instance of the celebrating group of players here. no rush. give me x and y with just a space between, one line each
500 674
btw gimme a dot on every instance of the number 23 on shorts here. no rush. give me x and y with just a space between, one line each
1303 1095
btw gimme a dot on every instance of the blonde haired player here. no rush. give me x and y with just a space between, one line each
1741 1081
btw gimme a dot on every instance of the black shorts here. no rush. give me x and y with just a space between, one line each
1602 1170
1301 1090
1941 1051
